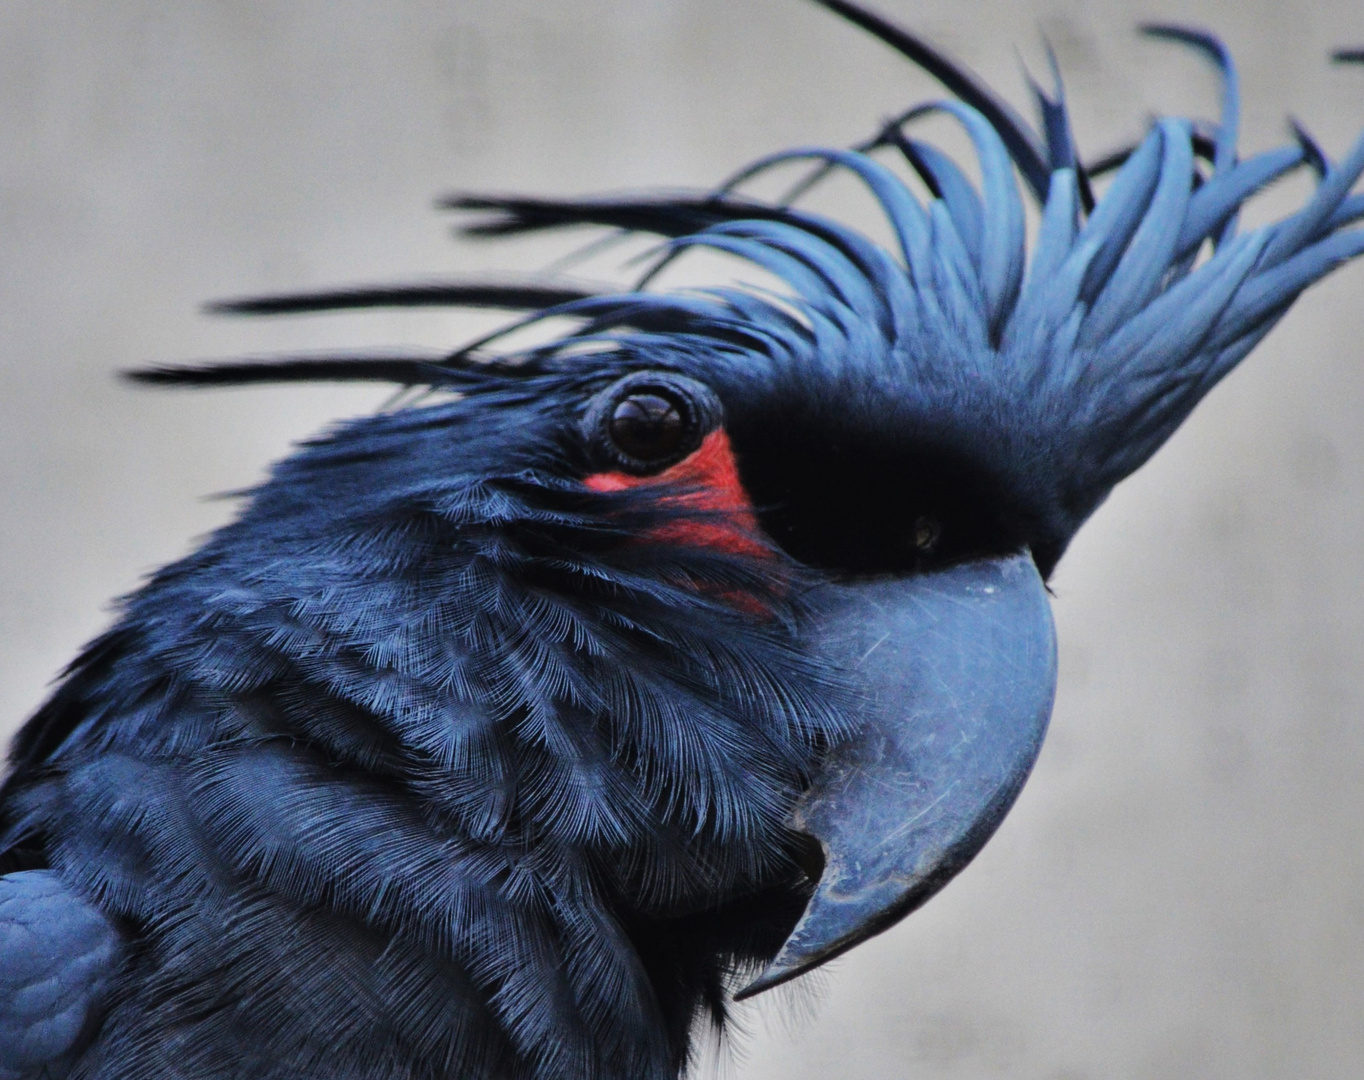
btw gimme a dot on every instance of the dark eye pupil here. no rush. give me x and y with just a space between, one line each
647 426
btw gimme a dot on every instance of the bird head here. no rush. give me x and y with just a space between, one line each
717 625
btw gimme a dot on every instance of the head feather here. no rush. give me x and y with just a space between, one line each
1074 360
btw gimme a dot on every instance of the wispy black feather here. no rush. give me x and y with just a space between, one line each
517 296
402 370
1020 140
660 214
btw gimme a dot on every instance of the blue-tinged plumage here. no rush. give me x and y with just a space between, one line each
466 751
58 957
406 715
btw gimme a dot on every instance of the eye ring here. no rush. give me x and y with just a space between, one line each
649 420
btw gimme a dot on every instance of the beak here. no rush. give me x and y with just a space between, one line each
958 673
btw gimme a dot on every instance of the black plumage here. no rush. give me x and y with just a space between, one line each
441 760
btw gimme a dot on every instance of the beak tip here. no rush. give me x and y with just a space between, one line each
772 976
757 986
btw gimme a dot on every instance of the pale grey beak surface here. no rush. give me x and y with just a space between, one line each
958 672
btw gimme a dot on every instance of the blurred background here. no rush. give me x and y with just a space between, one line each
1178 892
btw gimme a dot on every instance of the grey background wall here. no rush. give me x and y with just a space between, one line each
1178 892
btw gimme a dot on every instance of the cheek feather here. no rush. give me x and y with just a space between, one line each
707 482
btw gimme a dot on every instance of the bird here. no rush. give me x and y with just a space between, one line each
509 731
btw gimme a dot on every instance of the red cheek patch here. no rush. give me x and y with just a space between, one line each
711 486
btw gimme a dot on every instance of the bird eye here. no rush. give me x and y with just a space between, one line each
927 532
649 420
648 425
